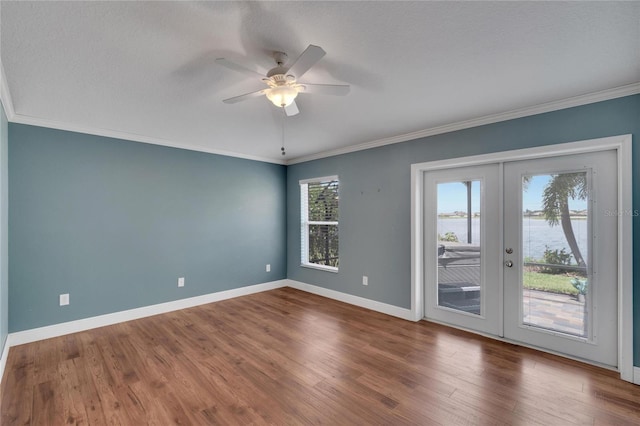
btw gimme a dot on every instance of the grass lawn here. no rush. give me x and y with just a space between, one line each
548 282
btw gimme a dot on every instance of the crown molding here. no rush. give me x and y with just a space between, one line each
7 102
52 124
603 95
5 95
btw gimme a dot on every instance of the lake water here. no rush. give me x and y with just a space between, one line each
537 234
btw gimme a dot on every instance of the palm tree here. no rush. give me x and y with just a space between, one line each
555 199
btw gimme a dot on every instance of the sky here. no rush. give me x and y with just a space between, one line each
452 196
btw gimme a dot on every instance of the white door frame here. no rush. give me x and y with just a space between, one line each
622 145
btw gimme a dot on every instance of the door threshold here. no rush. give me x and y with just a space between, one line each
524 345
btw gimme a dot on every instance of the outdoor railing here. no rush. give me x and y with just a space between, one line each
554 266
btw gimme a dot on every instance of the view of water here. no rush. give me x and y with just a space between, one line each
537 234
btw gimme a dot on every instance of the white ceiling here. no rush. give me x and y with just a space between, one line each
145 70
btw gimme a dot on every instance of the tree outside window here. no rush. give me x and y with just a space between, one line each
319 213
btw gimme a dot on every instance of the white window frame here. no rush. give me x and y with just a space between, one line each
305 222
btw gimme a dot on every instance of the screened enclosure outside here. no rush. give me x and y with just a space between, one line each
458 240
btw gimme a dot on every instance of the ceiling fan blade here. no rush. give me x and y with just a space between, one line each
292 109
244 97
326 89
306 60
239 68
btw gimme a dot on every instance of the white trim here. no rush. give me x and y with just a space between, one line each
417 244
501 248
5 99
3 362
525 345
603 95
622 144
625 260
35 334
580 147
305 222
109 133
319 179
384 308
589 98
320 267
56 330
5 95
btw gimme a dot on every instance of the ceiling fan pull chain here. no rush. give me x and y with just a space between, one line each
283 116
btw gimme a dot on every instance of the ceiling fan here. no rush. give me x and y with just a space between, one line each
284 81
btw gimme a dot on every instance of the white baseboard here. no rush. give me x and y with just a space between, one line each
3 362
56 330
384 308
35 334
28 336
41 333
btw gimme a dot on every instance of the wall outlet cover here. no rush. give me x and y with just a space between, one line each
64 299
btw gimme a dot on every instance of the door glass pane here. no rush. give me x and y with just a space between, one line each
458 240
555 235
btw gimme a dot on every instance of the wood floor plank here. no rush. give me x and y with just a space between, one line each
100 380
74 410
90 396
286 357
18 384
47 404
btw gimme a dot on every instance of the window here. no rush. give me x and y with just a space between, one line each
319 222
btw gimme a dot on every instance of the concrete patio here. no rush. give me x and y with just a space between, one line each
459 288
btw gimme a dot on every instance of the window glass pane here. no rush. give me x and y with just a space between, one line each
458 240
555 235
323 201
319 220
323 245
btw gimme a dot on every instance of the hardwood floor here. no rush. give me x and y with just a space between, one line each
289 357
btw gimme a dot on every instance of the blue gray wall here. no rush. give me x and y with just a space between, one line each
375 196
4 235
115 223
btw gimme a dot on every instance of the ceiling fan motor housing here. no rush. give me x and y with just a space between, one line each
280 58
279 70
281 79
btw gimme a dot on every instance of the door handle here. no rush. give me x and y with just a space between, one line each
508 263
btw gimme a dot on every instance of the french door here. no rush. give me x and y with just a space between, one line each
463 247
526 250
562 296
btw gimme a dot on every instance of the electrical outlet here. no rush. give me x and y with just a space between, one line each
64 299
365 280
268 267
181 282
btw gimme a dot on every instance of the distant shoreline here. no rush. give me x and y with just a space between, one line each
537 233
477 216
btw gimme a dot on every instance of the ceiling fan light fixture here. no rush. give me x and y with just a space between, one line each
282 81
282 96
